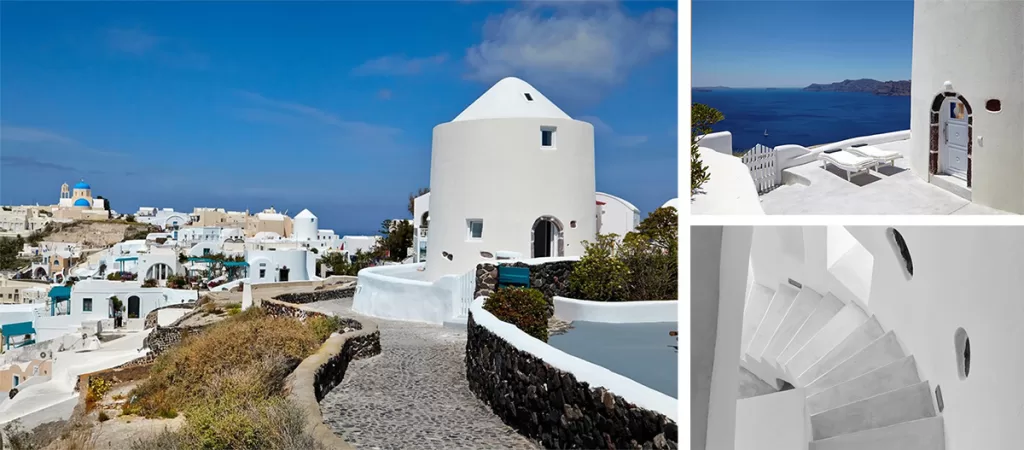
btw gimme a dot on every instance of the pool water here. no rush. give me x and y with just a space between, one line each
643 352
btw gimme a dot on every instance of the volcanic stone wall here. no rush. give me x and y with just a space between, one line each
551 406
552 279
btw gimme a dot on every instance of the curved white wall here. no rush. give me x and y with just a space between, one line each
390 292
496 170
730 190
583 370
978 46
570 309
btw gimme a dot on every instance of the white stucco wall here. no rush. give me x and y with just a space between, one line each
978 46
570 309
392 292
720 142
729 191
617 215
583 370
776 421
532 182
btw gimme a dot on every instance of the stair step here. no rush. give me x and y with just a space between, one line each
781 302
922 434
803 306
837 329
753 311
827 308
864 335
899 374
880 353
894 407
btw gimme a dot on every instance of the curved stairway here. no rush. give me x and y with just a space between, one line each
863 391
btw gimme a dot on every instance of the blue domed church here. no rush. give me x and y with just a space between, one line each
78 203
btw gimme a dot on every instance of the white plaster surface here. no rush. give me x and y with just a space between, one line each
593 374
569 309
771 422
386 292
729 191
167 316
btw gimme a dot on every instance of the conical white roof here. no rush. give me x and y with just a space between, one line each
305 214
508 99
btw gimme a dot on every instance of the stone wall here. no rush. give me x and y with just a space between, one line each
551 406
151 318
552 279
163 338
316 296
318 374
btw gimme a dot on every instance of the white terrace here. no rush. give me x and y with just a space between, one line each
792 179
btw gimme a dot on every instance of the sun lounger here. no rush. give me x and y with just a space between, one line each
851 163
883 156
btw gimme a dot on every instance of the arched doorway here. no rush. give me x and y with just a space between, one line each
159 271
283 273
39 273
133 307
546 238
951 137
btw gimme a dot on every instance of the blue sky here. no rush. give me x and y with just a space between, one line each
323 105
796 43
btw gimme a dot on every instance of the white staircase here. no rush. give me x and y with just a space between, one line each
863 392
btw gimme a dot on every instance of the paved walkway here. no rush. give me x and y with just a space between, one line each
414 394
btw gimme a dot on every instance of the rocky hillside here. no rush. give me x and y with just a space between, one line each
92 234
866 85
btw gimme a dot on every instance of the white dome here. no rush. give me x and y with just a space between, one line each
512 98
673 203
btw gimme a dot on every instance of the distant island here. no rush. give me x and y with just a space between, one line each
710 89
865 85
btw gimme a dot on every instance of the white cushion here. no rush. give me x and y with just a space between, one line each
875 152
848 161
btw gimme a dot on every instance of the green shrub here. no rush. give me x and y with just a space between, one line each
701 119
599 275
525 308
102 416
323 326
651 255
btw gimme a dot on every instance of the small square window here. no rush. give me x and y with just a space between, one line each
87 305
529 97
476 228
547 137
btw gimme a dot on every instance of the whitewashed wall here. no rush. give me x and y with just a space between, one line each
570 309
392 292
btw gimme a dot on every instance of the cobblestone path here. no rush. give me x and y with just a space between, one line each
414 394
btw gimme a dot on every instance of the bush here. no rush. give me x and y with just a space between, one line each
701 119
525 308
599 275
103 417
149 283
323 326
651 255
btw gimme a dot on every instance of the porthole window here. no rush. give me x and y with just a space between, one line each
962 344
904 252
993 105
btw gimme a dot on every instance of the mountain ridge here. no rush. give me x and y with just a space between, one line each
866 85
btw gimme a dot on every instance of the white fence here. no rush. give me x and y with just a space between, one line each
763 165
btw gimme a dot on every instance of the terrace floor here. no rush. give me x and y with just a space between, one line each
891 190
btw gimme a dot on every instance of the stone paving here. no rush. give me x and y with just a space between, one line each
414 394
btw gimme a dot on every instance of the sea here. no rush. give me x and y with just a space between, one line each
794 116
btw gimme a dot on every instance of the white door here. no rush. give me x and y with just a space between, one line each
954 138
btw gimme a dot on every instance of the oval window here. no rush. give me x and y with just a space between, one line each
993 105
962 343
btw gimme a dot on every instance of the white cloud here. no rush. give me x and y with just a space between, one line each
605 131
309 112
33 135
582 48
399 65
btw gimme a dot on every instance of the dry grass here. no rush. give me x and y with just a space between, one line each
227 381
